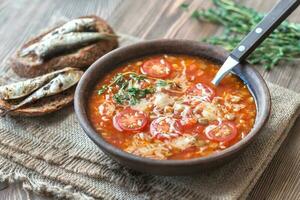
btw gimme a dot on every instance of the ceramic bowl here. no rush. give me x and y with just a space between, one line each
119 56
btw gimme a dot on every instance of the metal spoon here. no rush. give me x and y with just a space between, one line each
271 21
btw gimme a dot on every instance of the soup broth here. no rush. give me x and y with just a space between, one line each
165 107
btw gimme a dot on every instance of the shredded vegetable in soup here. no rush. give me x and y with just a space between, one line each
165 107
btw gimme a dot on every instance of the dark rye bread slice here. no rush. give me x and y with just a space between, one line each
29 66
43 106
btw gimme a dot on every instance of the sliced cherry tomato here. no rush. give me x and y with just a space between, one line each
188 122
223 132
165 128
202 90
198 130
157 68
130 120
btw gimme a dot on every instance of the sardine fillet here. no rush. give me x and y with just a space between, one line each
82 58
44 106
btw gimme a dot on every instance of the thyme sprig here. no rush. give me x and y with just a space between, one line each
238 20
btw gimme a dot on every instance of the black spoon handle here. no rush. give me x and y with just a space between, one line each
271 21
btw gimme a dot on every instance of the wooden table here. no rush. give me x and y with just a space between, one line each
20 19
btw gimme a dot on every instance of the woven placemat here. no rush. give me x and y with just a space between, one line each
52 155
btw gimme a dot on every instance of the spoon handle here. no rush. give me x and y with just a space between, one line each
271 21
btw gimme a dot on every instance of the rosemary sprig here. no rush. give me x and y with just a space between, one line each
238 20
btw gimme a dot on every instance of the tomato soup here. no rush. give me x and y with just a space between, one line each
165 107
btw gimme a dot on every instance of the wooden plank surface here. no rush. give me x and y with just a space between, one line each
21 19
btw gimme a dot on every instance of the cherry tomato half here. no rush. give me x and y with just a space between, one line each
198 130
202 90
130 120
157 68
223 132
188 122
165 128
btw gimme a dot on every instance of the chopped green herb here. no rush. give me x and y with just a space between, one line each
131 95
103 89
118 79
127 93
165 83
118 98
161 83
137 77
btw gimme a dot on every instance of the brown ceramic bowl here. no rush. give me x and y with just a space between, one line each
113 59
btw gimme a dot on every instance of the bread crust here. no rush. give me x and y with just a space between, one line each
82 58
43 106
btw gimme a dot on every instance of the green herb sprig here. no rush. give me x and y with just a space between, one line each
162 83
132 95
119 80
238 20
127 93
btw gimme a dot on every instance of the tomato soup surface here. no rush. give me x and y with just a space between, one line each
165 107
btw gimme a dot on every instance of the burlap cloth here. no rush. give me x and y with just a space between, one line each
52 155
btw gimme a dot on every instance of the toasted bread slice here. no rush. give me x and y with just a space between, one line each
30 66
43 106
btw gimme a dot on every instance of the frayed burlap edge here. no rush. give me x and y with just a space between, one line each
34 183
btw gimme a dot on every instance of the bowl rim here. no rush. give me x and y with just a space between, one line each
81 113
